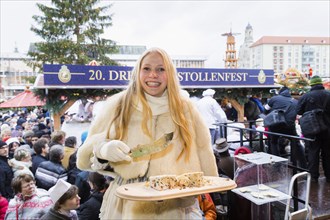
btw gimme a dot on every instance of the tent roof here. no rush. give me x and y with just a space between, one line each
23 99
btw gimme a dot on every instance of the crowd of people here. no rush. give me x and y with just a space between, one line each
39 178
45 175
306 154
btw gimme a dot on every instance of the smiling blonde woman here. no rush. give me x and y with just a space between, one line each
150 107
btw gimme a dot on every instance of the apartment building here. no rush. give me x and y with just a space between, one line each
283 52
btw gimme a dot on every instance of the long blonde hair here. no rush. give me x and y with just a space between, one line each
176 104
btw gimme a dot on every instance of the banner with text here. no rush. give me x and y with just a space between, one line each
119 76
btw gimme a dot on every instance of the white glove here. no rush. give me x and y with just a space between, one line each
115 151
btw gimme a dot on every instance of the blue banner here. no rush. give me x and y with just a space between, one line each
119 76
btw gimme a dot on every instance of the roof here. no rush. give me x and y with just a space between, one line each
291 40
23 99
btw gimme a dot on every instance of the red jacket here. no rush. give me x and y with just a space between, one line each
3 207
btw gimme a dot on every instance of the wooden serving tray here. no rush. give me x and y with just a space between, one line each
141 192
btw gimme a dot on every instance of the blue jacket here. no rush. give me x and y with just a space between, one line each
48 173
36 160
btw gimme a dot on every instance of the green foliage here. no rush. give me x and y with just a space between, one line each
56 98
71 31
239 94
29 79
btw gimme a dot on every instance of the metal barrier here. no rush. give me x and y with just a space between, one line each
261 140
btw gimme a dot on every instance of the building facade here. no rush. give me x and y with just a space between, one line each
283 52
128 55
14 73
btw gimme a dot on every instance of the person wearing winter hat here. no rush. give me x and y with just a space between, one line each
13 143
317 98
242 150
225 162
315 80
5 134
66 201
244 170
21 122
212 113
27 137
245 175
284 101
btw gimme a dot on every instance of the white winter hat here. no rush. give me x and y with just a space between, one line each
209 92
57 191
12 140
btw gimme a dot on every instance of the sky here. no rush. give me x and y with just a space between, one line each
191 28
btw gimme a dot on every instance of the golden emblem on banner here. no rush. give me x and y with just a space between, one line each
64 74
261 77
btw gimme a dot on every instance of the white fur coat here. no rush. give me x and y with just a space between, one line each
165 162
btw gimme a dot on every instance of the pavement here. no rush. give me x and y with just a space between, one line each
75 129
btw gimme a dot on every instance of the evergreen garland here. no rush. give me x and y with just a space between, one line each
239 94
56 98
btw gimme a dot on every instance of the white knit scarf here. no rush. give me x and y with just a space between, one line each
158 105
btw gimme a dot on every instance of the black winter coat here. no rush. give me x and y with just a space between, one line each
318 97
284 101
53 215
6 176
90 210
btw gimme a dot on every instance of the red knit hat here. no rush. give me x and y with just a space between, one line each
242 150
5 139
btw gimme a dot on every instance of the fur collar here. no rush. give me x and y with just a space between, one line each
158 105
